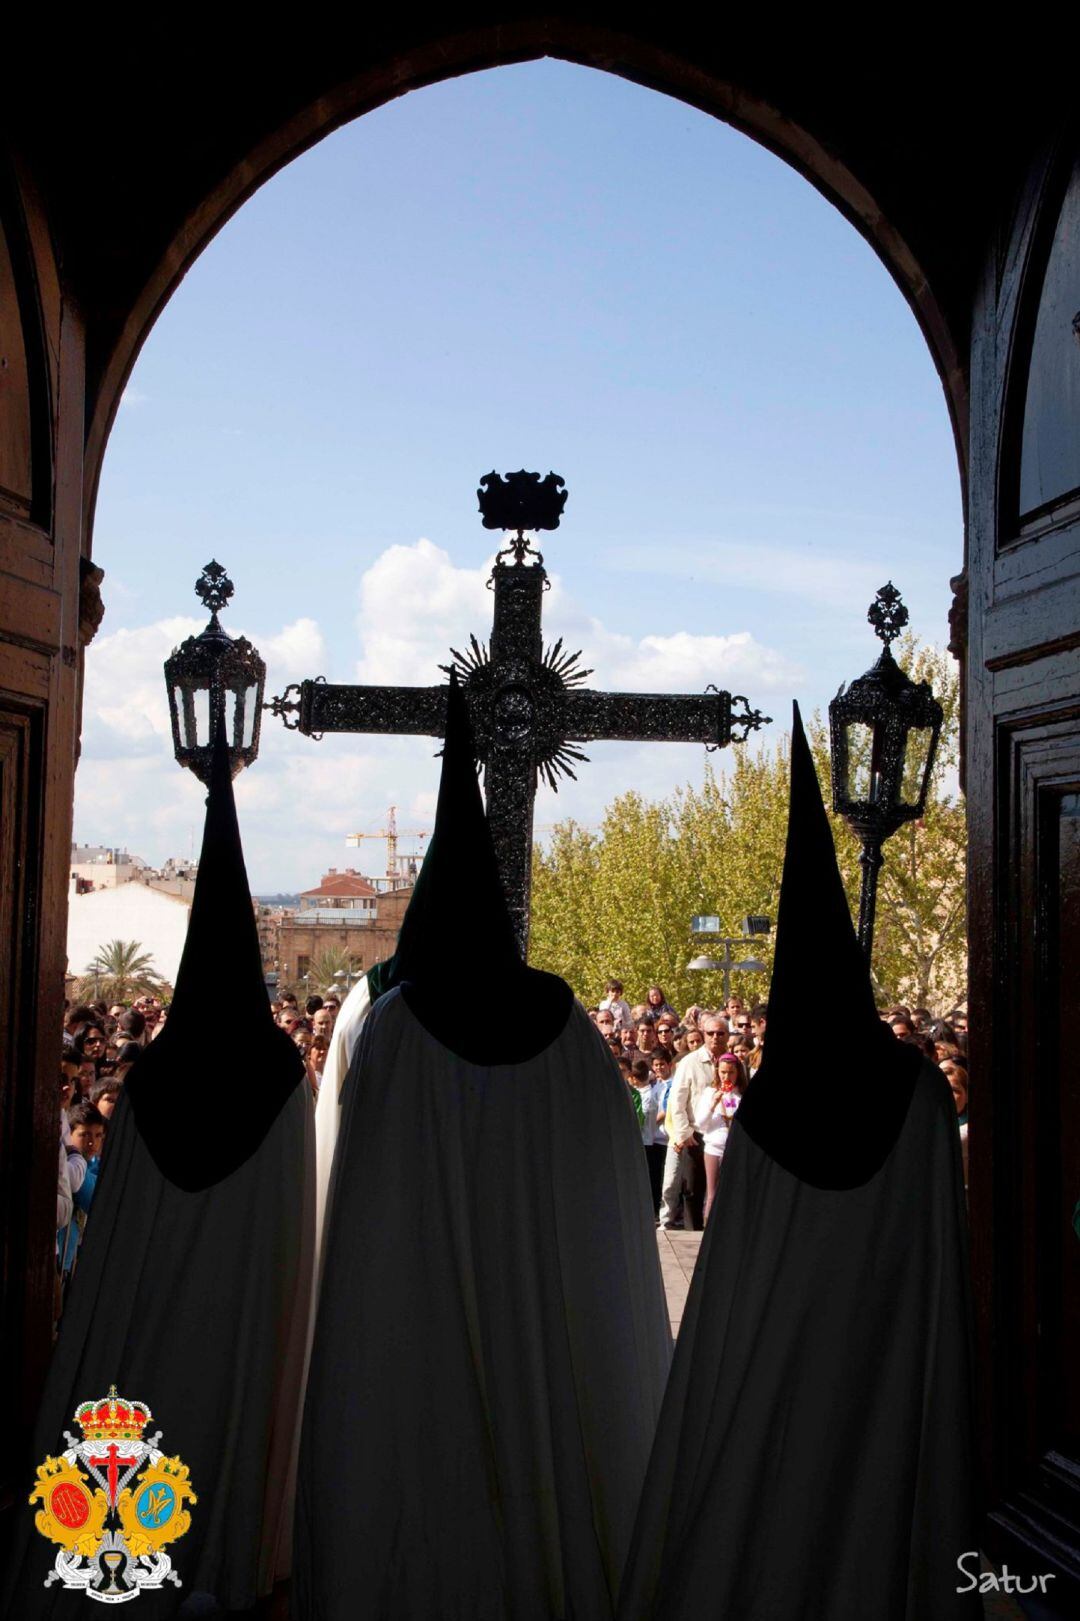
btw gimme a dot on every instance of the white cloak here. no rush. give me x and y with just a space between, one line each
492 1341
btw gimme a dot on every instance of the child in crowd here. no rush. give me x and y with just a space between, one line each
639 1093
105 1096
655 1137
85 1138
713 1115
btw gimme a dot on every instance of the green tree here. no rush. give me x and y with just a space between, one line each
619 902
119 972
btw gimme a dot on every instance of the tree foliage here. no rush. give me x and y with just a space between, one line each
121 971
619 902
326 965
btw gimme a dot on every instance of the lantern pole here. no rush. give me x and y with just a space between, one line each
871 861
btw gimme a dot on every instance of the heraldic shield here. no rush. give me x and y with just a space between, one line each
112 1501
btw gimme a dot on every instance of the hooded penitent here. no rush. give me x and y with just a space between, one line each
491 1341
814 1455
219 1020
457 949
818 952
190 1293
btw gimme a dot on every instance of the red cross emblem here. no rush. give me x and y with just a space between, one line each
113 1460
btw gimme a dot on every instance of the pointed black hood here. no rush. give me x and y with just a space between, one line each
220 1039
829 1119
457 955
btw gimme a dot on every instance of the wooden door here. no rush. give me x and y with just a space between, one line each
41 424
1023 785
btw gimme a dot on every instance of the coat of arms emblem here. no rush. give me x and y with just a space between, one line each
112 1501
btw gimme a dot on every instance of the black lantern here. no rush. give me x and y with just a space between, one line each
215 683
884 732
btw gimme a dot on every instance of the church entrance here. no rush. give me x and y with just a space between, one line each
1019 649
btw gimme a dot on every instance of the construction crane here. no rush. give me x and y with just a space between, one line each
396 866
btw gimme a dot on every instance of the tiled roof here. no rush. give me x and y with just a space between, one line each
338 884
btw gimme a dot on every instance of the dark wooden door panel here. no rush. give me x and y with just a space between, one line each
24 1296
1050 445
1023 782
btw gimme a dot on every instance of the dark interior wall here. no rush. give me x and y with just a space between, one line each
125 154
167 136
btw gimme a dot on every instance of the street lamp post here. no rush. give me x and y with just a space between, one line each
883 736
753 928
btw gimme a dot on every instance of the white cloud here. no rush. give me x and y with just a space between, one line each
125 710
304 797
415 603
296 652
133 398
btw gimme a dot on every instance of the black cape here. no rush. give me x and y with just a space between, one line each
814 1459
190 1294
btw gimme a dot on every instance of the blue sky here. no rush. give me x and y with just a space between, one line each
541 266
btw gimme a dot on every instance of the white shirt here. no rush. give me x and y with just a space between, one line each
713 1115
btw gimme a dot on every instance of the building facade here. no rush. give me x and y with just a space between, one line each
345 914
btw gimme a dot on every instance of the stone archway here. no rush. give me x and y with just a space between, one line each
752 111
127 156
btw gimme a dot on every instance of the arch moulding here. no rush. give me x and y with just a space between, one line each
633 57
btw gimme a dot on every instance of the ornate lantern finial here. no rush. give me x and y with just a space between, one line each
215 684
887 613
883 731
214 588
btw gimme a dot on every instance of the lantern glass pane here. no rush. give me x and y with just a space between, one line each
916 754
201 710
860 745
250 710
232 735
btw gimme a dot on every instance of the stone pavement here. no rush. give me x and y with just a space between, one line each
678 1253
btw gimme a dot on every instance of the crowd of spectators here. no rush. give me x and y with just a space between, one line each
687 1074
100 1044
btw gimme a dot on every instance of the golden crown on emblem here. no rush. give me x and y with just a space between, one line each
112 1418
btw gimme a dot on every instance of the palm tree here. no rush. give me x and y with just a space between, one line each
121 971
332 961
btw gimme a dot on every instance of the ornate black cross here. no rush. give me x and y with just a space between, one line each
527 703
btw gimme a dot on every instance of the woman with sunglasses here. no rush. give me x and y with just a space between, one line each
665 1027
90 1048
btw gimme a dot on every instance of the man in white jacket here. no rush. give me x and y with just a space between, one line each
694 1073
